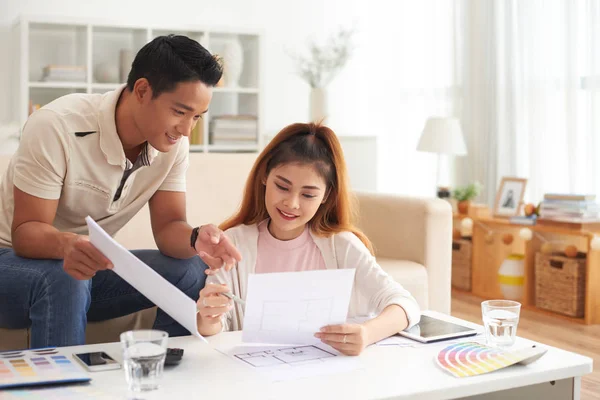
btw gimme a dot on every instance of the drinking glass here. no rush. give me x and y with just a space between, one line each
500 318
144 354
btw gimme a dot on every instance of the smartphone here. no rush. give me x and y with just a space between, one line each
97 361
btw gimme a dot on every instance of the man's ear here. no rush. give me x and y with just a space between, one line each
142 90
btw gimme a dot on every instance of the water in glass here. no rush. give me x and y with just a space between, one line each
144 353
144 365
500 327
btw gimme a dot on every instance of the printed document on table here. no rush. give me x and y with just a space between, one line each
290 307
284 363
147 281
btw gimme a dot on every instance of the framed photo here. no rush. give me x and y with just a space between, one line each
509 197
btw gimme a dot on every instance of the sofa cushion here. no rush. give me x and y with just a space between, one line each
14 339
96 332
411 275
110 330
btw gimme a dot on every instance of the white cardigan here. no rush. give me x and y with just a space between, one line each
373 288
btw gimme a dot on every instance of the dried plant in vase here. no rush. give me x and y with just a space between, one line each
321 65
465 195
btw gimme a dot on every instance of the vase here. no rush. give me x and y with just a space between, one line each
511 277
318 104
106 73
463 207
233 62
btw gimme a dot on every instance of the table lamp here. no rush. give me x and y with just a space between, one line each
442 136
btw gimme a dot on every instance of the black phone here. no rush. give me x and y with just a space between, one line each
97 361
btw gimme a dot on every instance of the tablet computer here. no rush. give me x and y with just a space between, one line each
431 329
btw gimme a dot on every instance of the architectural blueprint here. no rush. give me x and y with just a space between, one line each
290 307
282 363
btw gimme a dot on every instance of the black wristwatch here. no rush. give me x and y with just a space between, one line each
194 237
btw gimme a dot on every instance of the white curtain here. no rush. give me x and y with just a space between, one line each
531 104
523 77
411 72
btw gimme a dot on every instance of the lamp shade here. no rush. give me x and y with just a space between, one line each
442 136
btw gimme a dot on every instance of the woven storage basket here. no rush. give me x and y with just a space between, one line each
560 283
461 264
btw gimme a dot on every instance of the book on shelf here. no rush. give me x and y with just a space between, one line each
197 135
62 73
234 144
569 196
576 211
568 214
233 130
523 220
567 205
570 220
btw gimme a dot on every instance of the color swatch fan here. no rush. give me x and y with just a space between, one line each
38 367
470 359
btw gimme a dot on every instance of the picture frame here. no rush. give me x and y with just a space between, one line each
509 197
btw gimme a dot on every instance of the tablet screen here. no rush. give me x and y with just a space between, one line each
432 327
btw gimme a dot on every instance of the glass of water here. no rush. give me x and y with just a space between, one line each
500 318
144 354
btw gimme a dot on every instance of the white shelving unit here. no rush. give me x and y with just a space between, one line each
40 41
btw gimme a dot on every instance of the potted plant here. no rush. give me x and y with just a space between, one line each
464 195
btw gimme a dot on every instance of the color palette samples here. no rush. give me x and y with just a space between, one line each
36 367
86 392
470 358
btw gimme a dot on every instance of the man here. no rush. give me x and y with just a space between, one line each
106 156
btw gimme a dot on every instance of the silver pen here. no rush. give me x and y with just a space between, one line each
229 296
234 298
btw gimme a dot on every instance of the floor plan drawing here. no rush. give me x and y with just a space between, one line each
287 308
300 316
284 355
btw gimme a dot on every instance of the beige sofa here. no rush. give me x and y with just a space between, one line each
412 237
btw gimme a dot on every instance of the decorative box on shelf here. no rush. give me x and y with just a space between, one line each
560 283
461 264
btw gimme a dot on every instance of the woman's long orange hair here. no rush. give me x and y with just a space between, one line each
312 144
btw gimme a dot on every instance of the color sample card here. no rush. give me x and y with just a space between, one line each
37 367
470 359
57 393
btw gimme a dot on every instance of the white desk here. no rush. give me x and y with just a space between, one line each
390 372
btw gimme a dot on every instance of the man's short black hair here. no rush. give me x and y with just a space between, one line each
169 60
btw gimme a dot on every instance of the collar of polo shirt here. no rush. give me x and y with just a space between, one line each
109 139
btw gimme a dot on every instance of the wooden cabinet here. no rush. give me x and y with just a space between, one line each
490 251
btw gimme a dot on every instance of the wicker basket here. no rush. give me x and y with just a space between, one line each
461 264
560 283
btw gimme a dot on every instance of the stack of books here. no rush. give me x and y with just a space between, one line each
64 73
234 130
523 219
571 208
197 135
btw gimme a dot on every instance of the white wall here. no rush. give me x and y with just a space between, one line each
287 25
361 102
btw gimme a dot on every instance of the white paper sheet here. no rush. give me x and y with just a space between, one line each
283 363
290 307
147 281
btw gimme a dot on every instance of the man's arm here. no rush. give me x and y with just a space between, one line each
172 234
169 224
33 236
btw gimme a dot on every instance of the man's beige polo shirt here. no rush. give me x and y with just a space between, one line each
70 151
